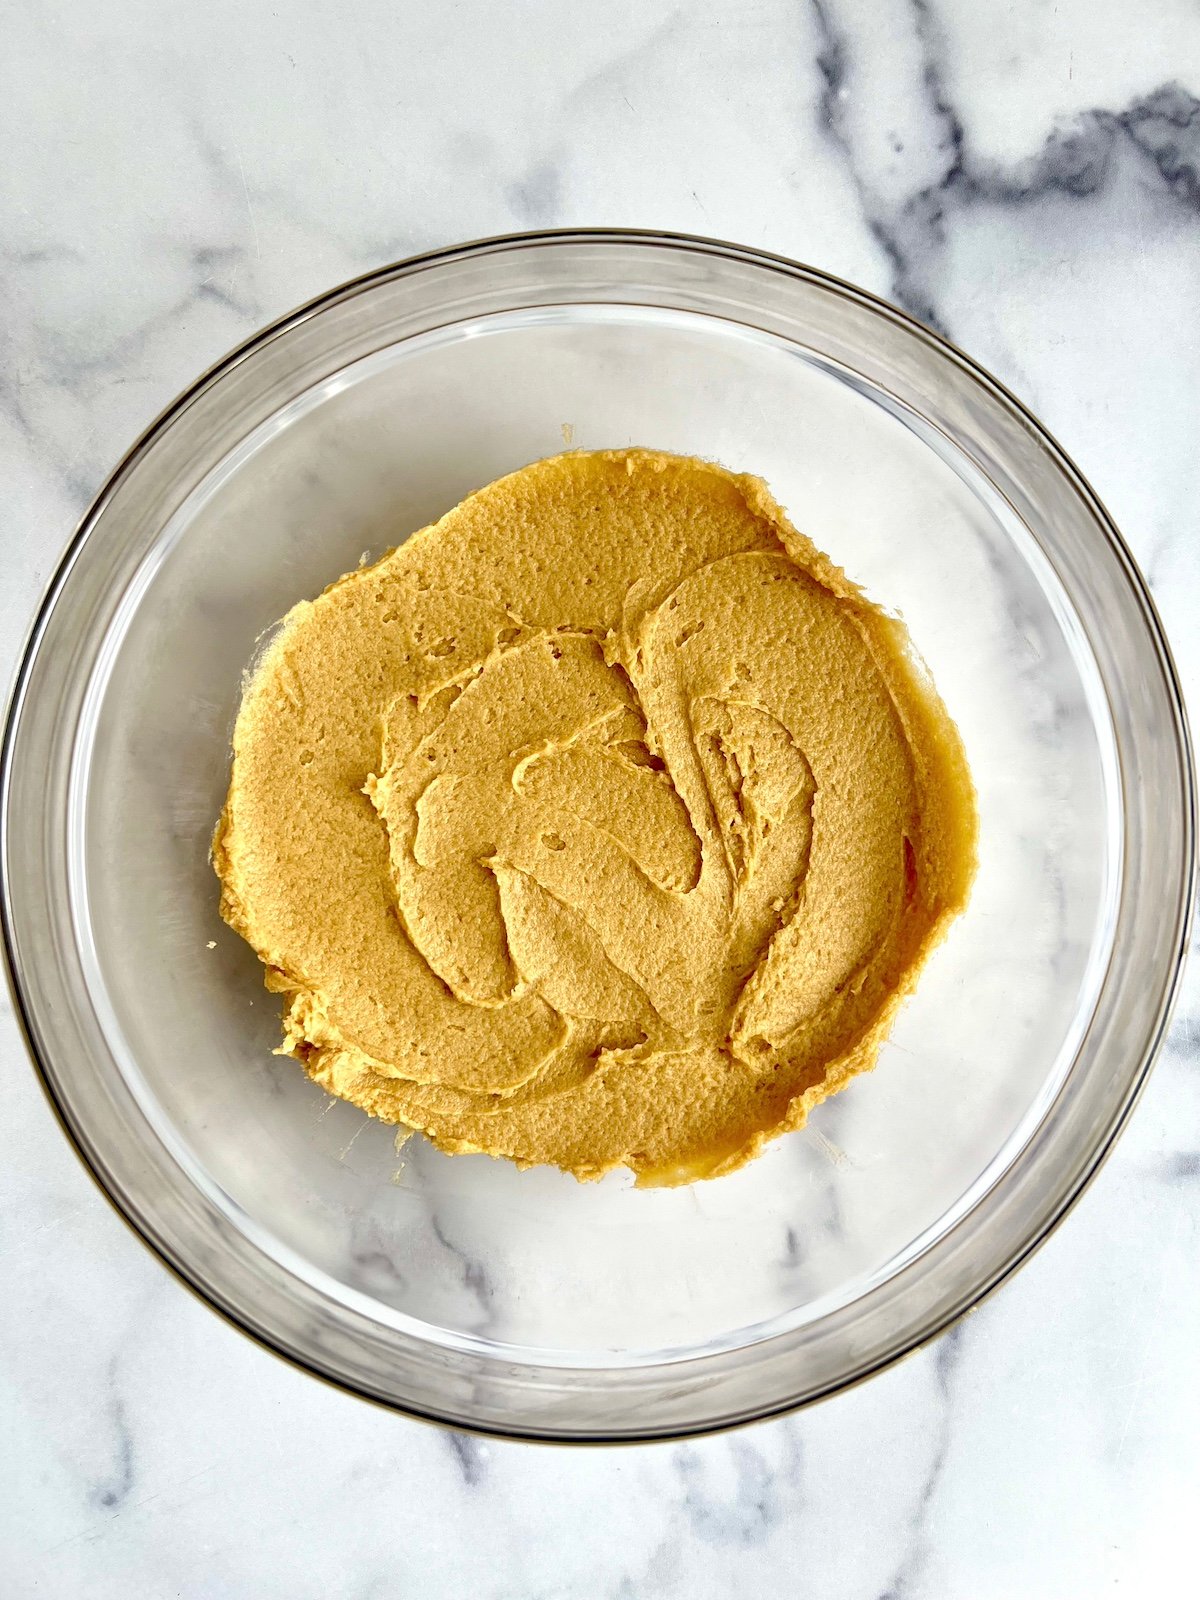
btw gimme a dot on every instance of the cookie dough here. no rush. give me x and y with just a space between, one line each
602 822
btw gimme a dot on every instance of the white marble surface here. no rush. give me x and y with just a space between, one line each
1027 177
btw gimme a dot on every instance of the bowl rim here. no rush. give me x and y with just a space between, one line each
1184 909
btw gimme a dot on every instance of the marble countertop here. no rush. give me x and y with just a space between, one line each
1025 177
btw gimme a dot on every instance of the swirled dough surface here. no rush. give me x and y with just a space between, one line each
604 821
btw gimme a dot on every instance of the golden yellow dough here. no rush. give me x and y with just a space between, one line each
603 822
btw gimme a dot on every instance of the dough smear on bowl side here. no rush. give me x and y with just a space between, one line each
604 822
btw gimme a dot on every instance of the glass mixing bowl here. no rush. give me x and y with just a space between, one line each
522 1302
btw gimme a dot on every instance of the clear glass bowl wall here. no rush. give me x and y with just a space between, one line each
523 1302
